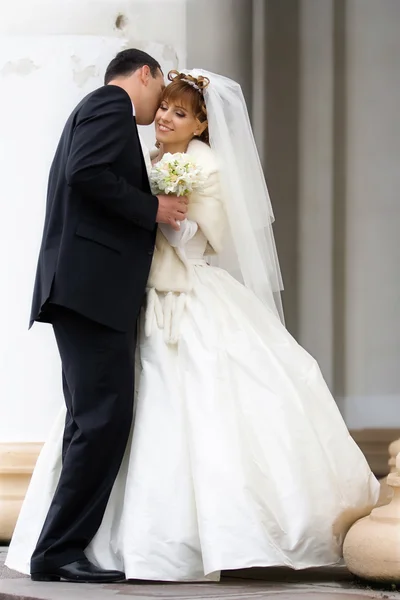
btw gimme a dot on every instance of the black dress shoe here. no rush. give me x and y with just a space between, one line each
80 571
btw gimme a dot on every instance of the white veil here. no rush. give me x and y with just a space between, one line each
250 252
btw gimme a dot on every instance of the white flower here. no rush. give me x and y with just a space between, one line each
175 174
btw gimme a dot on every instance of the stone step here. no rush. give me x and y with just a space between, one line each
330 583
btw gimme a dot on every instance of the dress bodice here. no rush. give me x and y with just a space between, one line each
196 246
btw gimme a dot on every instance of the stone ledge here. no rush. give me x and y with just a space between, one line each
17 461
374 444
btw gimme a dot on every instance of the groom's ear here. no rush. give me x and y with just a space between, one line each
145 74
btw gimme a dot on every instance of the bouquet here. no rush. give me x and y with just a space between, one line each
175 174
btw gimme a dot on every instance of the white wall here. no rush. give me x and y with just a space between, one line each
52 53
373 214
349 205
56 51
219 39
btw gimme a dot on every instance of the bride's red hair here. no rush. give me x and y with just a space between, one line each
181 91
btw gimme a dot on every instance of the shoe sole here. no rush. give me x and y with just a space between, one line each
55 578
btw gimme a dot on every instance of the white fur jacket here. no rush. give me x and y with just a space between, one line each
171 274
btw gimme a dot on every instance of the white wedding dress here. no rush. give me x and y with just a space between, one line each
239 455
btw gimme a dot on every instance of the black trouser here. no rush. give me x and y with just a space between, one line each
98 381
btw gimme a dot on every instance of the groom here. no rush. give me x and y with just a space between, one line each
94 261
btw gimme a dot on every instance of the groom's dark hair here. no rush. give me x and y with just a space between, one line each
128 61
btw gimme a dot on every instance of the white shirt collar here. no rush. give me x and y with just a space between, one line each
145 150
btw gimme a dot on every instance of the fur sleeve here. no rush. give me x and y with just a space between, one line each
207 210
206 205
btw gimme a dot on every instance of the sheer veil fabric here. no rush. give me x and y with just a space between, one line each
250 253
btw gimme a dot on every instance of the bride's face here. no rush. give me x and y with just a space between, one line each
175 123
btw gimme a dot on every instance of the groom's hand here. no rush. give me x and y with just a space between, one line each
172 210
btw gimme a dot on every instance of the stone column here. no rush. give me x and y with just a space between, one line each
316 165
259 62
281 139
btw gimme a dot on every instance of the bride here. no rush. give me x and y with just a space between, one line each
239 456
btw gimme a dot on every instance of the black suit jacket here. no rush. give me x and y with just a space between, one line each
100 223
